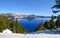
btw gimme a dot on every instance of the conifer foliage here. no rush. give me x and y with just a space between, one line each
14 26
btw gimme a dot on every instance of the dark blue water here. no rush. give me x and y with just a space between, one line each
31 25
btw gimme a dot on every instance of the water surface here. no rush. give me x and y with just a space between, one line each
31 25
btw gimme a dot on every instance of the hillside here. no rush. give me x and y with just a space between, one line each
14 26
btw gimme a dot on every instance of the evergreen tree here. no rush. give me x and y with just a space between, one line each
47 25
58 22
14 26
40 27
4 23
52 25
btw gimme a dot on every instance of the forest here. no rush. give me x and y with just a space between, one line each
15 27
52 24
12 25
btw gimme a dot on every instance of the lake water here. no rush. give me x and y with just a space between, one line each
31 25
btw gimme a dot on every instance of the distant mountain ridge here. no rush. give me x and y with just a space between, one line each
23 16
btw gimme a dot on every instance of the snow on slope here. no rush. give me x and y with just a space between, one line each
13 35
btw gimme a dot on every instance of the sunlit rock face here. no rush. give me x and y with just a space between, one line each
7 31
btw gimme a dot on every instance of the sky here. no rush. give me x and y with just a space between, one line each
37 7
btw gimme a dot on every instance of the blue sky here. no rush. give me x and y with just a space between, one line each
37 7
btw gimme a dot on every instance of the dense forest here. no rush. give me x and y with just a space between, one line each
52 24
5 23
15 27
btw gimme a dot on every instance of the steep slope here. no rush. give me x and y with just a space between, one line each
12 25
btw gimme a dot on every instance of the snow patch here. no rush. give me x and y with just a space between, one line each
7 31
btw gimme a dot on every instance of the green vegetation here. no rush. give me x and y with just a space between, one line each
58 22
40 27
49 25
15 27
12 25
52 24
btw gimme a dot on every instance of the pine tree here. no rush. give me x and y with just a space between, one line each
14 26
40 27
47 25
58 22
52 24
4 23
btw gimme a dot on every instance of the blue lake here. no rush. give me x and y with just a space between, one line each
31 25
